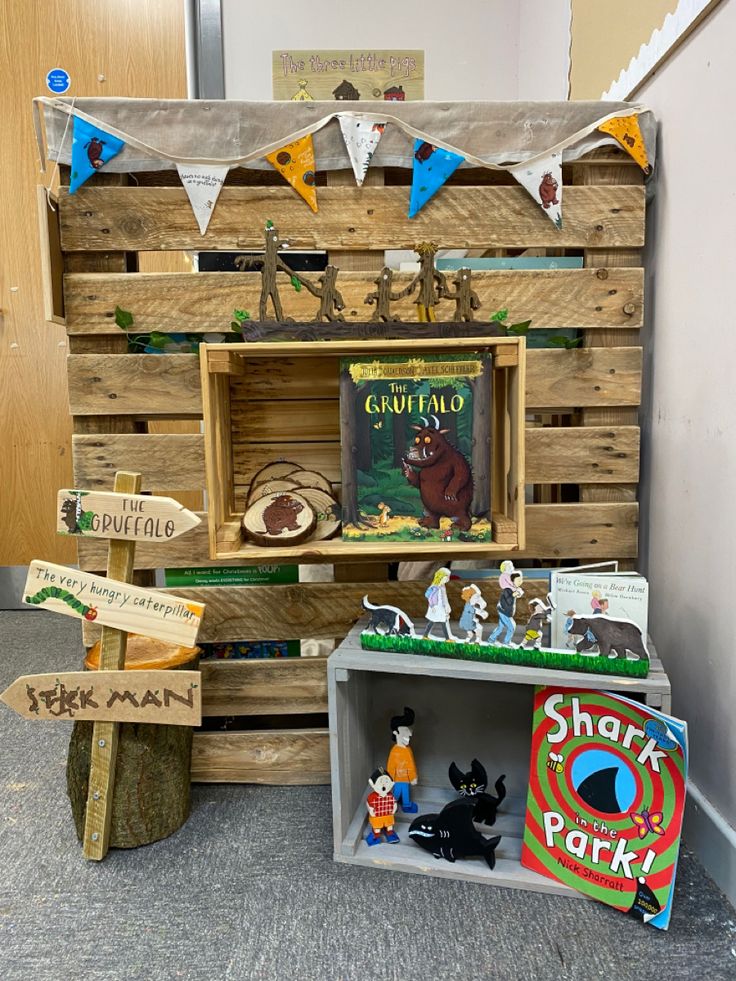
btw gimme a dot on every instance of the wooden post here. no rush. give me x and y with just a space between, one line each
120 559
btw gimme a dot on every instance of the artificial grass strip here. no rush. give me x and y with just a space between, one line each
525 657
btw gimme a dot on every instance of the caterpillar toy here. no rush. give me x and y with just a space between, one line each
54 592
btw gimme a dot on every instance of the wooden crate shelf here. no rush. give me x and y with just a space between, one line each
243 423
464 709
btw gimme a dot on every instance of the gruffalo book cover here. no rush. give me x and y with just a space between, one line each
416 445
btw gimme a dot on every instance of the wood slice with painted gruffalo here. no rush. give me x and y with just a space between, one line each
151 796
280 518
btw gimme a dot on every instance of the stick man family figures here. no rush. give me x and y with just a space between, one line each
382 297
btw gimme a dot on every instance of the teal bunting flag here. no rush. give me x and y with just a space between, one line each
432 167
91 149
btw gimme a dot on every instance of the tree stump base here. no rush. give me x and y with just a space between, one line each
151 798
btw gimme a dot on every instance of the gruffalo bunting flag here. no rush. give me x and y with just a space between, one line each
91 149
295 162
432 167
542 178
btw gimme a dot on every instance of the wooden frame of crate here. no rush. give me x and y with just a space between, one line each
582 439
237 377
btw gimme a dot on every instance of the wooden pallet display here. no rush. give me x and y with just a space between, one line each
117 398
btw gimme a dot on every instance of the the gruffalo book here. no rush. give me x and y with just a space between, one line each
416 436
606 796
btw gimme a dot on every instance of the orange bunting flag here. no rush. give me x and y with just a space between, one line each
625 129
295 162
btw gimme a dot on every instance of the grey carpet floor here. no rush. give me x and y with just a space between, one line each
248 889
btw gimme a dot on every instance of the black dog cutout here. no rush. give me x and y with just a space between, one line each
451 834
472 785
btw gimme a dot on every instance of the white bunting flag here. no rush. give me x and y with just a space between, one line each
361 139
543 180
203 183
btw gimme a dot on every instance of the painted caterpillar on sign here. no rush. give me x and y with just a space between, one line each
54 592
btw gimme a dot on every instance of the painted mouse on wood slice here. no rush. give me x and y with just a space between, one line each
472 787
451 834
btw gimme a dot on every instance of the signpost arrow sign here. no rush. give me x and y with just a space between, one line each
112 603
154 697
125 517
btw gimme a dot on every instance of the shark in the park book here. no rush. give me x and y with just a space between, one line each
606 796
416 436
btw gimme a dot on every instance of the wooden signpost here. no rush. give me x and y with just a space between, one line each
130 517
112 695
155 697
112 603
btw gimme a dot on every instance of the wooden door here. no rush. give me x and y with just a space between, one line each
125 48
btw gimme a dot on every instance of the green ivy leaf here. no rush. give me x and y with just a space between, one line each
157 339
518 330
296 284
566 342
500 315
241 315
269 223
123 318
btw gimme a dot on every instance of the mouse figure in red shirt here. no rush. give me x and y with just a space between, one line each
382 806
401 766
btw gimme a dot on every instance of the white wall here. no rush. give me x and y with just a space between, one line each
471 50
544 50
689 422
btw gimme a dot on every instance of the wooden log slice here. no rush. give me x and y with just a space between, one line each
274 471
269 487
327 510
281 518
311 478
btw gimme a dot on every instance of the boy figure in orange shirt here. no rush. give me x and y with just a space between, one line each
401 766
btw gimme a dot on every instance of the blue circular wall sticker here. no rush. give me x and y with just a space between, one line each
58 81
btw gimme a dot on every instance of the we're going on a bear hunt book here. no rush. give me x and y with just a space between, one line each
416 445
607 787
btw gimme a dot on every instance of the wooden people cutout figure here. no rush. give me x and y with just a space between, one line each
401 766
270 263
382 297
382 807
431 283
466 299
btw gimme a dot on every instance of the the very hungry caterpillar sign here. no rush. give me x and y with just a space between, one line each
112 603
606 797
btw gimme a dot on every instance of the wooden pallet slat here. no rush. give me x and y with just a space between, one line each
151 219
569 531
577 298
147 385
277 686
278 756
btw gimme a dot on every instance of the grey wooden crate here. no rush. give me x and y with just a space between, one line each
463 709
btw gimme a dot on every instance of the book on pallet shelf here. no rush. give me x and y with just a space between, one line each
595 594
415 436
606 795
244 575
